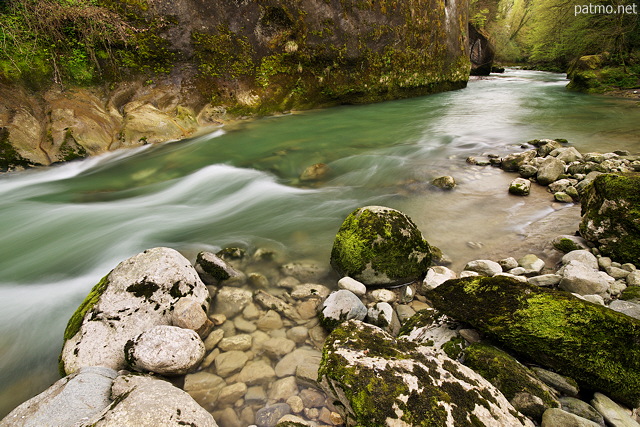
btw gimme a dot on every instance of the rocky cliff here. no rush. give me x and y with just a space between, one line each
229 58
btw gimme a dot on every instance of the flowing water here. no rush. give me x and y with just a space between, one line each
64 227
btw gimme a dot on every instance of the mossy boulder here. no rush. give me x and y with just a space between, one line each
611 216
377 380
508 375
590 343
377 245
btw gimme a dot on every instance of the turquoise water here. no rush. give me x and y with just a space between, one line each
66 226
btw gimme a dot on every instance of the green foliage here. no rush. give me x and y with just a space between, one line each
225 54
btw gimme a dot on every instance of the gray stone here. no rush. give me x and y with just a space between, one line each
555 417
70 401
583 256
271 320
531 263
306 271
257 373
277 347
282 389
549 170
298 334
165 350
581 409
243 325
567 243
527 171
352 285
340 306
436 276
547 147
270 415
148 401
566 154
382 295
312 398
633 279
228 417
529 405
307 371
271 302
508 263
444 182
561 185
613 414
255 395
562 197
231 393
294 420
213 339
564 385
230 301
580 278
241 342
188 314
214 269
404 312
137 295
288 364
310 290
204 387
513 162
629 308
520 187
545 280
617 272
384 316
230 362
484 267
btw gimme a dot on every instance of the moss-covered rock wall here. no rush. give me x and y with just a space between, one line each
226 58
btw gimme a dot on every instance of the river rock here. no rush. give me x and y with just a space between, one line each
282 389
277 347
165 350
213 269
340 306
513 162
436 276
310 290
257 373
380 246
148 401
484 267
230 362
512 378
188 314
204 387
240 342
288 364
562 197
531 263
568 243
564 385
306 271
230 301
566 154
582 279
554 417
145 124
384 316
230 394
138 294
613 414
551 328
626 307
352 285
270 415
315 172
270 321
546 146
405 382
545 280
520 187
67 403
610 216
633 279
444 182
581 409
583 256
549 170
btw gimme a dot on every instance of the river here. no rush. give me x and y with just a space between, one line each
66 226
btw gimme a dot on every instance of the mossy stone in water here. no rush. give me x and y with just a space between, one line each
611 216
380 246
596 346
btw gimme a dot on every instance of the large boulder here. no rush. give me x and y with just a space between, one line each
138 294
68 402
380 246
148 402
592 344
611 216
379 380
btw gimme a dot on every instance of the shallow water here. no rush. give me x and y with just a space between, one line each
64 227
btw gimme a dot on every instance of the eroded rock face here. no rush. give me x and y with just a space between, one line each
377 245
383 381
135 296
611 216
553 329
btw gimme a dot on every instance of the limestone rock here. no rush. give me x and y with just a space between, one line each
205 388
584 256
568 243
444 182
626 307
288 364
581 409
340 306
484 267
306 271
188 314
147 401
230 362
564 385
520 187
551 328
257 373
405 382
230 301
380 246
352 285
270 415
68 402
436 276
580 278
138 294
513 162
165 350
146 124
549 170
555 417
315 172
531 263
610 216
613 414
384 316
214 269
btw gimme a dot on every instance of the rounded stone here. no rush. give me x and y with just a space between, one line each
380 246
166 350
340 306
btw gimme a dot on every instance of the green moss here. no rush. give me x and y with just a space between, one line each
380 247
505 373
598 347
631 293
223 54
566 245
454 347
418 320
